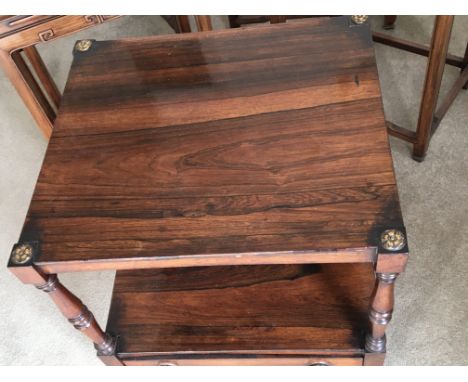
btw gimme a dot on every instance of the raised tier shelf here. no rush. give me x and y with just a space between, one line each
286 314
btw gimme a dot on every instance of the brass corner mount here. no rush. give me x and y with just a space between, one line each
359 19
83 45
392 240
22 253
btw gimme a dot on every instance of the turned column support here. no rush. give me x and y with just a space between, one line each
392 255
380 312
22 265
78 314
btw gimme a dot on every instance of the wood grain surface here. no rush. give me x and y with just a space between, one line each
247 141
276 309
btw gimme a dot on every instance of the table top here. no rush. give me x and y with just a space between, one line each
256 145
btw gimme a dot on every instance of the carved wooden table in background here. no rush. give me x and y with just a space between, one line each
242 189
18 37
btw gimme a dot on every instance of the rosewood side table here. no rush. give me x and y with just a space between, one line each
241 184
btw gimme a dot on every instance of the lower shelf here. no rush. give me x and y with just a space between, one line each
272 314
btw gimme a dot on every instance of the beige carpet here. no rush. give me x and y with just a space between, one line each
431 314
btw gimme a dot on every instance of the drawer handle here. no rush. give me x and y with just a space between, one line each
321 363
167 364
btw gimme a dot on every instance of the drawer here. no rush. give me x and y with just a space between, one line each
249 361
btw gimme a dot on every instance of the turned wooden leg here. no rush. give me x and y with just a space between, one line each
21 264
389 22
81 318
28 89
392 255
78 314
434 72
380 314
203 23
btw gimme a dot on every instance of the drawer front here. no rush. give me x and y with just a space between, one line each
251 361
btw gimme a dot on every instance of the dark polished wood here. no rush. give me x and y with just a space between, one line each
236 150
213 153
235 311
